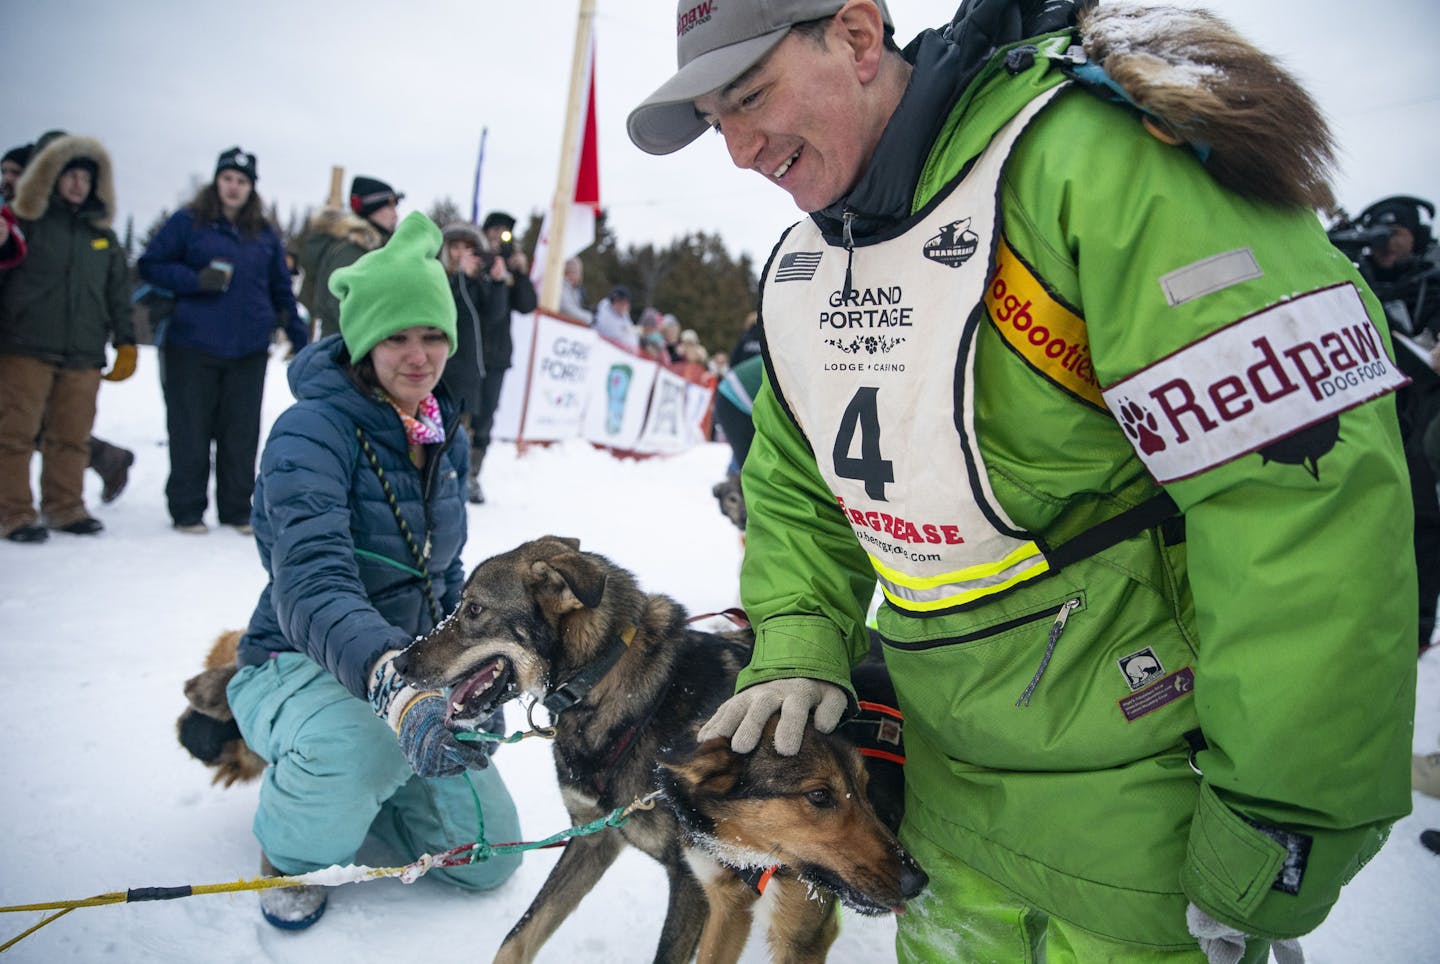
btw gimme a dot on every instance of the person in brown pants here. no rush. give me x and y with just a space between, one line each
58 308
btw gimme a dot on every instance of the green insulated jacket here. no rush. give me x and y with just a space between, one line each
70 295
1279 611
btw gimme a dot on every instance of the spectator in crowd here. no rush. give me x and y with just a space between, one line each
612 318
334 239
365 468
670 330
510 290
734 402
58 307
572 293
749 341
691 351
1100 723
1400 271
719 364
109 461
226 265
464 376
12 165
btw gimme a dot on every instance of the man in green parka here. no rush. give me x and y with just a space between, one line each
58 309
1063 361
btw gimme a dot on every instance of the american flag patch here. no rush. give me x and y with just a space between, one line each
798 266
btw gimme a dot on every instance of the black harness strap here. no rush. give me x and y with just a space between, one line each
1154 511
579 685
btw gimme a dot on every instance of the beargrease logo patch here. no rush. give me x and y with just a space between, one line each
954 245
1273 383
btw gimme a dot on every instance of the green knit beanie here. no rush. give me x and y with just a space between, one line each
395 287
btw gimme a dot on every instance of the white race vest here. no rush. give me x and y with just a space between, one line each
873 378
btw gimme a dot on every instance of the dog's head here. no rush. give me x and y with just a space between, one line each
731 498
808 813
525 617
207 728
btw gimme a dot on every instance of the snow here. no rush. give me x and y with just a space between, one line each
101 632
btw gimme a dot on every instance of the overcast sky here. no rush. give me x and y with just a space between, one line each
402 90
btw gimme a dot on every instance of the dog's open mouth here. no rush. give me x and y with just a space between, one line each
473 700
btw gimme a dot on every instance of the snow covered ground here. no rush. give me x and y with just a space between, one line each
98 634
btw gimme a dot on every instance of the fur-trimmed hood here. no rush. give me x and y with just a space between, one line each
1200 83
345 226
37 184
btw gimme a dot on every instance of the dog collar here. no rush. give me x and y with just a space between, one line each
579 685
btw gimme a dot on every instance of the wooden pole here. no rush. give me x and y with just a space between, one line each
337 188
569 160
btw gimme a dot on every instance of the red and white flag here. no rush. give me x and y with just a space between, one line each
585 199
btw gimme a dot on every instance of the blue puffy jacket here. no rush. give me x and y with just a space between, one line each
239 320
344 587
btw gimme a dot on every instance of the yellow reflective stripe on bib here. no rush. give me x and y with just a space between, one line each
963 586
1045 333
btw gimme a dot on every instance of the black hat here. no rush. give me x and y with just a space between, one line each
621 292
20 155
88 163
237 160
498 219
369 194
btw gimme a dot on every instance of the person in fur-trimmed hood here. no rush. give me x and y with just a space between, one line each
1063 360
336 239
59 306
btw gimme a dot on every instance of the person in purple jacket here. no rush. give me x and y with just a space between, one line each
226 265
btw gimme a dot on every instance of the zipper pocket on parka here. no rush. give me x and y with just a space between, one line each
999 629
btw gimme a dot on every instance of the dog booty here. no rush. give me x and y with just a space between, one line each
291 908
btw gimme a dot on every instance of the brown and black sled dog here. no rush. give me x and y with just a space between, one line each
207 727
628 684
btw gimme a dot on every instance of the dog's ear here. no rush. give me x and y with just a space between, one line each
707 769
578 583
568 540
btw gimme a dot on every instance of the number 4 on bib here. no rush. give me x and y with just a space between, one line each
863 414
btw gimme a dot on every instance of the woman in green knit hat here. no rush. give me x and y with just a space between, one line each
360 520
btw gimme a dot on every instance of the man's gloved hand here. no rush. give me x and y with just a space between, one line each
743 716
213 279
1223 944
124 366
418 719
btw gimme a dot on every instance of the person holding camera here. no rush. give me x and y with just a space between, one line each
509 289
226 265
1390 241
464 377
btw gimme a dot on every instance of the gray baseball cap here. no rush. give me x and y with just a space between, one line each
716 41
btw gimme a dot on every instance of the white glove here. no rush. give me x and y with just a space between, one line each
1223 944
743 716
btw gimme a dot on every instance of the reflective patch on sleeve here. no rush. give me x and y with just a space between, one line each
1041 330
1254 382
1209 275
99 244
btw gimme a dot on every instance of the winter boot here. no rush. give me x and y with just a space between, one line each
291 908
112 463
29 532
1431 840
473 492
1425 773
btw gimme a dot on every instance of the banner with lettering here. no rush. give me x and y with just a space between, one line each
565 381
619 394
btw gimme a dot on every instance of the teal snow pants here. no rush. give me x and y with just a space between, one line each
336 775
